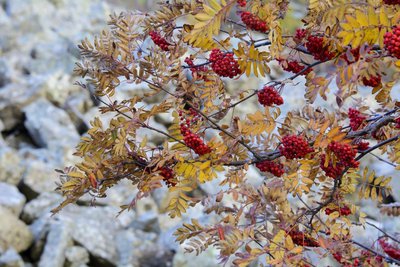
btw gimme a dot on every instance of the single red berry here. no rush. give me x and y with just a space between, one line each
159 40
392 41
224 64
294 146
253 22
356 119
268 96
272 167
373 81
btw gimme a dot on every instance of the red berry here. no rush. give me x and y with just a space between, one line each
268 96
355 55
300 35
362 145
293 66
272 167
390 249
253 22
356 119
315 45
194 141
159 40
224 64
373 81
392 41
397 121
294 146
344 153
195 69
168 175
241 3
301 239
345 211
391 2
331 170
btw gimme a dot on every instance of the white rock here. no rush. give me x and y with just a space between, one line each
11 259
76 256
14 233
10 167
11 198
39 177
50 126
57 241
40 206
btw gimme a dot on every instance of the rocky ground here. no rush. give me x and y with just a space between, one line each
42 115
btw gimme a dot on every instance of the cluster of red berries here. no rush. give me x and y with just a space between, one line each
168 175
355 52
242 3
331 170
392 41
253 22
373 81
362 145
397 121
366 257
268 96
344 153
294 147
371 259
315 45
391 2
392 251
195 69
192 140
159 40
300 35
301 239
224 64
272 167
356 119
294 66
344 211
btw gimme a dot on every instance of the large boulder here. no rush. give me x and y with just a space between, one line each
14 233
11 198
49 126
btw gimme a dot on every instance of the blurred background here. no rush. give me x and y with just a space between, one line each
42 115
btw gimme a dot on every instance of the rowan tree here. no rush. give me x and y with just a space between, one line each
186 52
